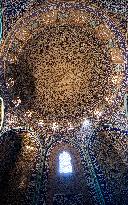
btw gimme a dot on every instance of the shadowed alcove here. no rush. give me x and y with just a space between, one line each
65 188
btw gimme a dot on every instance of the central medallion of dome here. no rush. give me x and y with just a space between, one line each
69 71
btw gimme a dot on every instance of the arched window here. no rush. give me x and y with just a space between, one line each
65 165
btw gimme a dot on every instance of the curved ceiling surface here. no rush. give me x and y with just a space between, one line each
64 65
64 72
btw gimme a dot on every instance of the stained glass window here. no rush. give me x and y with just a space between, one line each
65 165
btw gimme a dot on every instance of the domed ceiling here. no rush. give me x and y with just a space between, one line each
63 73
62 64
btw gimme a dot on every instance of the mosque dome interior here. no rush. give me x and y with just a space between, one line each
64 103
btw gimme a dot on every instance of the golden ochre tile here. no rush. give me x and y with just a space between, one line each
23 34
49 17
78 17
12 58
103 32
116 55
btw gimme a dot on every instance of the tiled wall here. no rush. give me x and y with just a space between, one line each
29 170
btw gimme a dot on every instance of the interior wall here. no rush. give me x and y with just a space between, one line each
88 183
110 151
29 170
72 184
20 160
